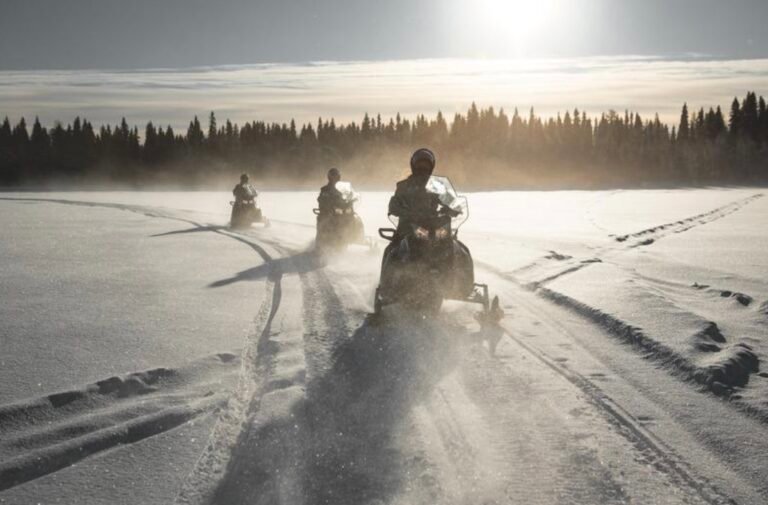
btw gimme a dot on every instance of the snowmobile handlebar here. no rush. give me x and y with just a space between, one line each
447 211
387 233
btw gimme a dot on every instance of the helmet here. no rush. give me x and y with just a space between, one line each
419 157
334 174
244 178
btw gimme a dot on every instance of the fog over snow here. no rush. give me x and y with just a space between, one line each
346 90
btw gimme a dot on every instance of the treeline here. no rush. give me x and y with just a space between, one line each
483 148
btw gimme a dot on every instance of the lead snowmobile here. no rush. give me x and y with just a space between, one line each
429 263
339 225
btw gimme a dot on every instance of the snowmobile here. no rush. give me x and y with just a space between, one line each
245 212
341 226
430 264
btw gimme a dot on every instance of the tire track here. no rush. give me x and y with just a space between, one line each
273 445
153 212
254 456
733 369
649 235
627 426
211 467
559 266
220 461
46 434
662 456
252 453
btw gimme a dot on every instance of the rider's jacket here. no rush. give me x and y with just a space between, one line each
329 199
244 192
411 203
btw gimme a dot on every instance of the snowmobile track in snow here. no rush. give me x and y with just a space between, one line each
557 265
253 358
649 235
256 453
259 450
627 425
228 471
42 435
734 369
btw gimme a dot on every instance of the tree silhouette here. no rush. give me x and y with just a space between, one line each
485 147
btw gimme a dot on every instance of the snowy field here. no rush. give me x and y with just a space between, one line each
150 354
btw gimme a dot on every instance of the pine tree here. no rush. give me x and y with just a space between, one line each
719 123
212 129
6 143
20 135
40 148
683 130
365 128
151 143
735 119
763 120
749 117
195 134
39 139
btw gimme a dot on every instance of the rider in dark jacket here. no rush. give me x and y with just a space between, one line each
330 198
411 201
243 191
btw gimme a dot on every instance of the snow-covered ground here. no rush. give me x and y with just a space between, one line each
149 353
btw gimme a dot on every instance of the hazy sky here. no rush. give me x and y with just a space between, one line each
301 59
121 34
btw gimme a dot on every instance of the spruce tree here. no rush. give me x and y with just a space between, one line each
212 131
719 123
749 117
683 130
735 119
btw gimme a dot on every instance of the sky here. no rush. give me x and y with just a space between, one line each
167 60
120 34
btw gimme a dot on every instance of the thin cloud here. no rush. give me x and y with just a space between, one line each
346 90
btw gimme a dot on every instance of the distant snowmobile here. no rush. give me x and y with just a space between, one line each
340 225
429 264
245 211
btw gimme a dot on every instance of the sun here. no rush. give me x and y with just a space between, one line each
511 27
526 12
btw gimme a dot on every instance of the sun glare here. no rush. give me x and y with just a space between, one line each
512 27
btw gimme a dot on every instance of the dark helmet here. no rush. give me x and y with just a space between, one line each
244 178
334 174
419 157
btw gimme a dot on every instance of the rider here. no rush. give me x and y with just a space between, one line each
331 198
243 191
412 201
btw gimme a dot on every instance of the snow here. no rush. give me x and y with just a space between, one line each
696 290
152 280
88 293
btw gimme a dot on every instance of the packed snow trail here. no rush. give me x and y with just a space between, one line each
333 407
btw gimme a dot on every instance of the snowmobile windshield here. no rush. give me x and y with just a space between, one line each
442 187
347 192
250 191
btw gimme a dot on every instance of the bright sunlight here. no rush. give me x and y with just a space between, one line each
512 27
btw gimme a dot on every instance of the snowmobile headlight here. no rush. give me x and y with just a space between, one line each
421 233
339 211
442 233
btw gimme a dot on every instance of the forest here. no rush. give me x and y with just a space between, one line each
485 148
